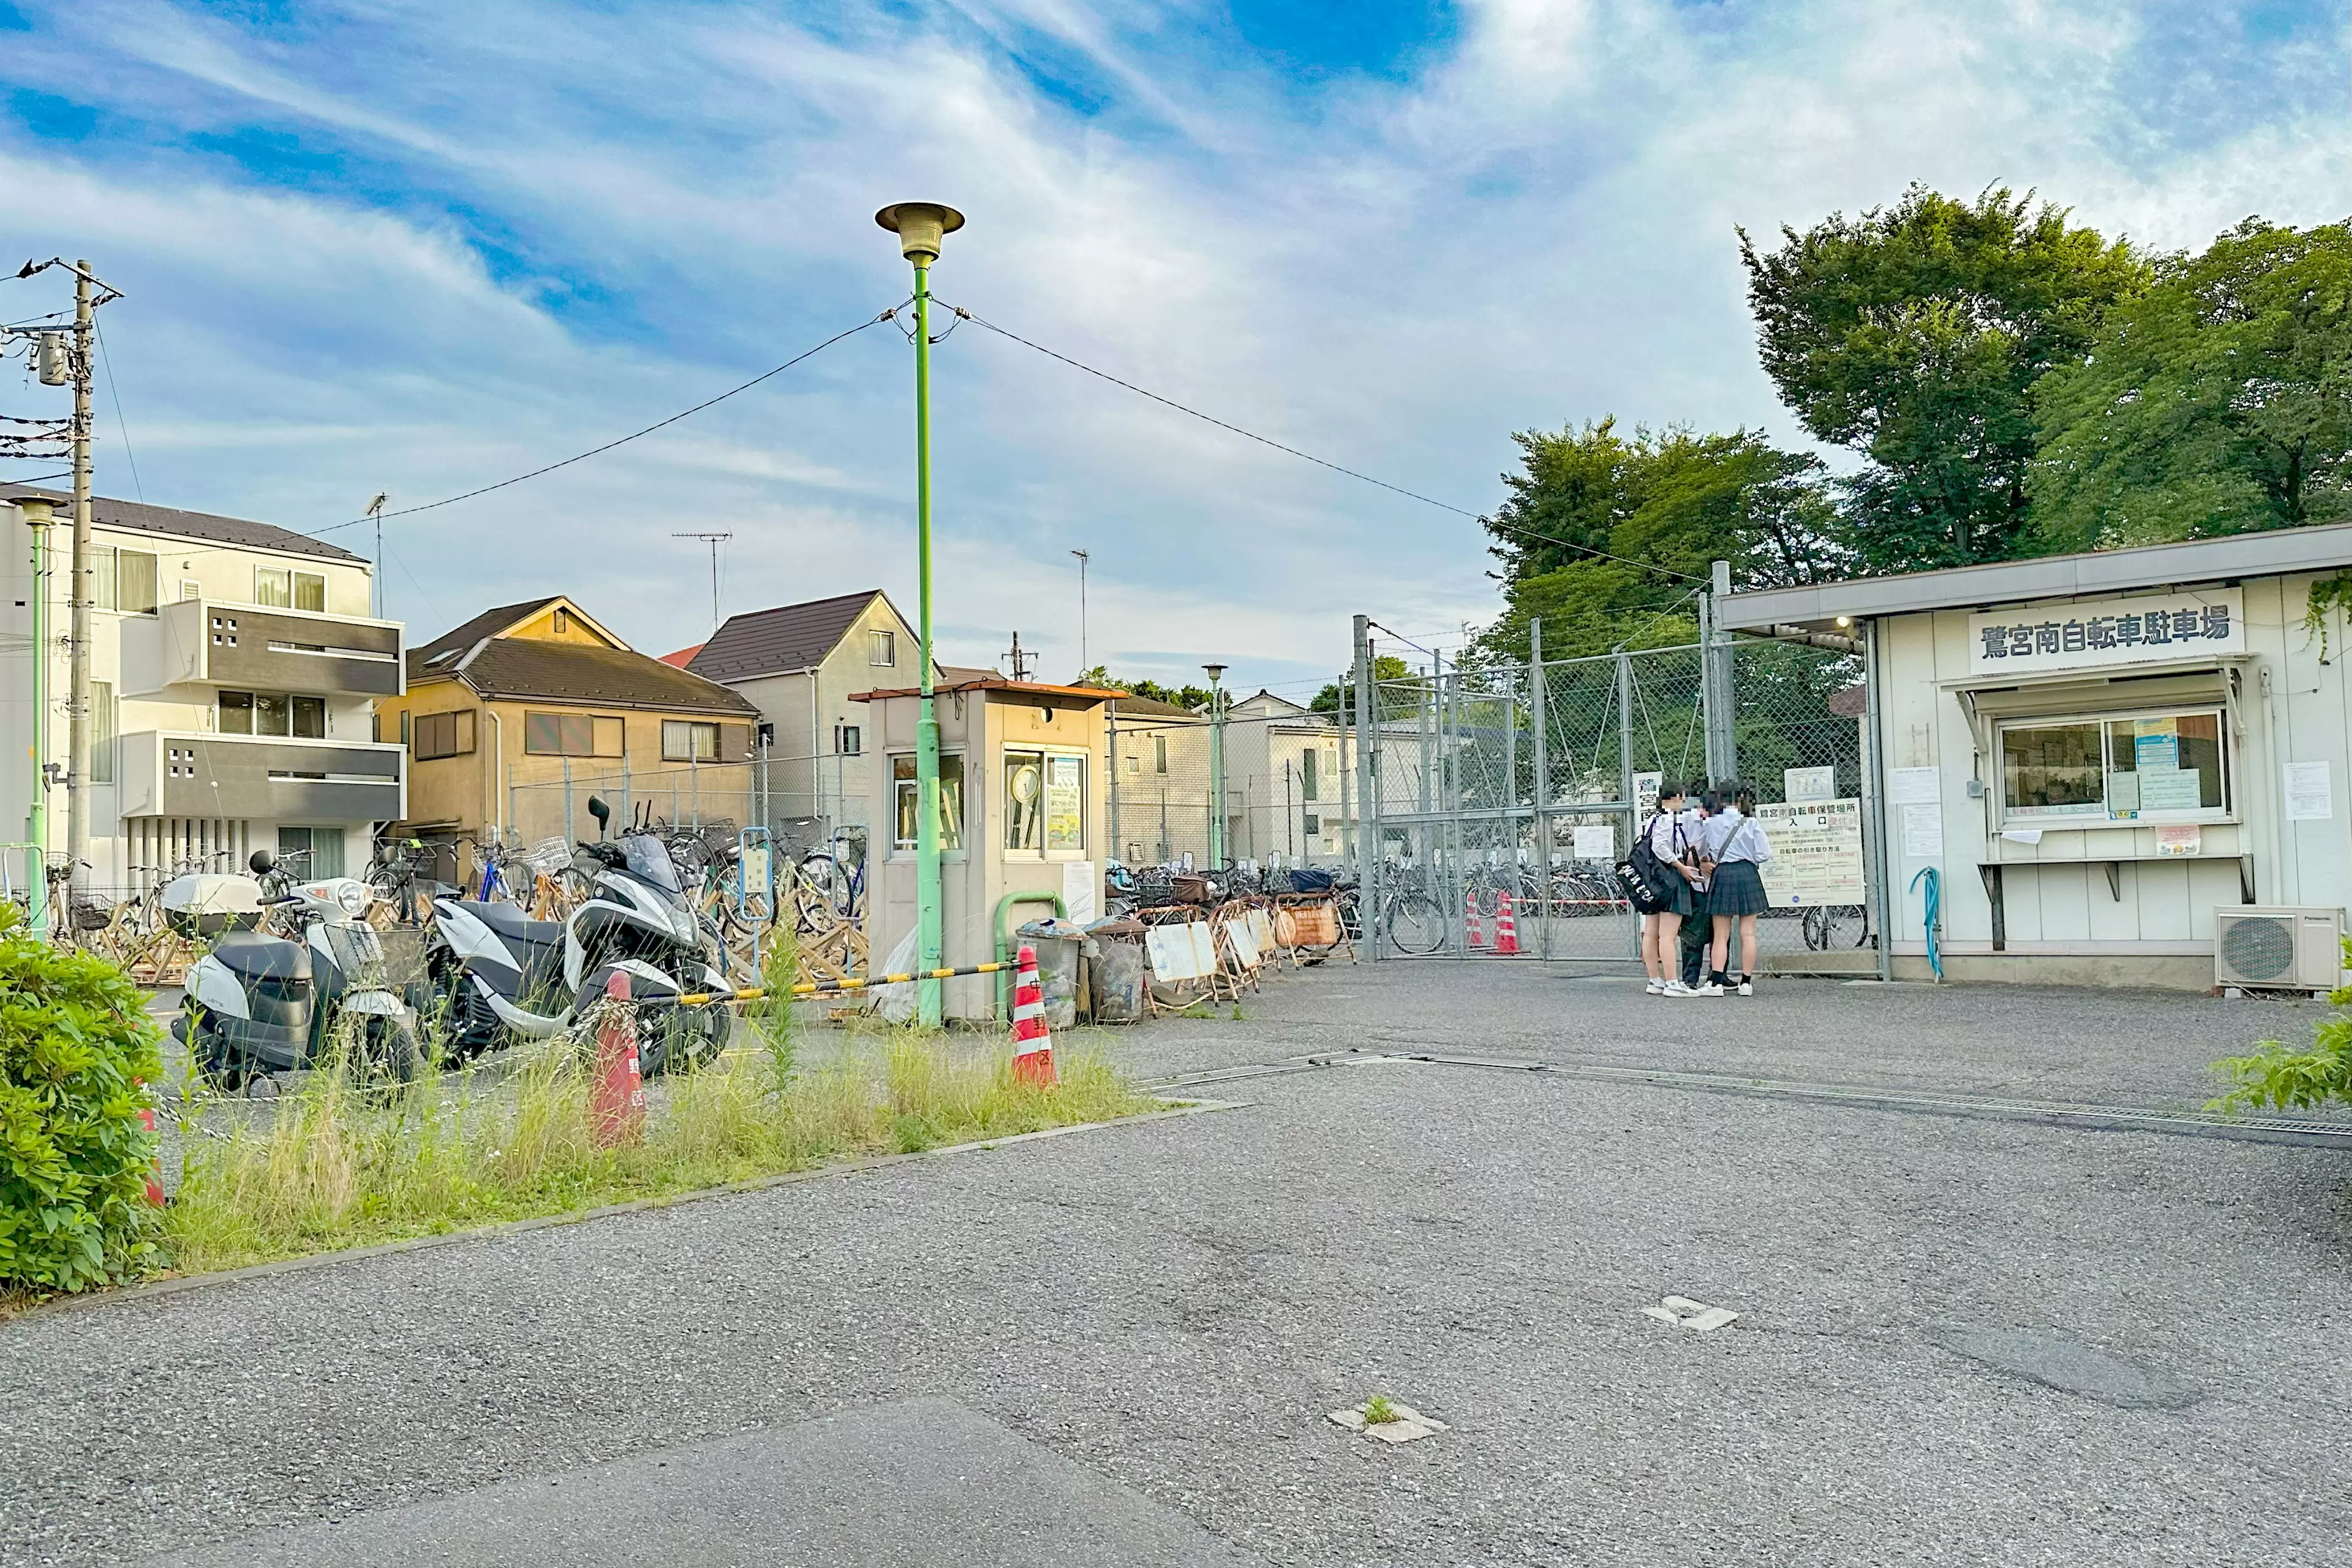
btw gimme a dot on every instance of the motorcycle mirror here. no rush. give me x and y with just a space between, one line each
261 862
602 813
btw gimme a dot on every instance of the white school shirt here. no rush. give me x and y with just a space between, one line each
1668 838
1731 835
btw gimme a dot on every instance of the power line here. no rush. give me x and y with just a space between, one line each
114 390
1499 527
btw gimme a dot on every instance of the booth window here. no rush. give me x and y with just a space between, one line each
2144 766
904 788
1045 801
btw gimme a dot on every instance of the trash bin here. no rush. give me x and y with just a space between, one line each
1116 972
1056 942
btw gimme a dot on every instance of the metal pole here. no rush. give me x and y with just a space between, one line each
1541 794
80 588
1217 772
1715 680
1625 767
568 835
1110 795
1873 805
927 904
1368 830
39 518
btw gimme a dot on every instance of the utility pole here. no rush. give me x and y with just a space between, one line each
79 586
714 540
375 510
921 228
1216 765
1083 558
1019 659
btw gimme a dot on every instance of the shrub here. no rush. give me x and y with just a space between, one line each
2273 1075
75 1047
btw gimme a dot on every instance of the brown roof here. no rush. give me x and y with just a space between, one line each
585 673
965 674
681 657
105 511
1132 706
459 638
788 638
989 680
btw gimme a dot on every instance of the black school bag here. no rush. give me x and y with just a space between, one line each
1649 882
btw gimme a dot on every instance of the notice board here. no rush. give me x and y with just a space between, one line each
1816 853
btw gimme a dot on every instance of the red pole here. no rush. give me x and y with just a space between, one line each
616 1102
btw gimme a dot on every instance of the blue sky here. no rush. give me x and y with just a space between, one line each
419 247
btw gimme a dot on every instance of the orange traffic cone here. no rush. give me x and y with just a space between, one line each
1033 1042
1507 927
155 1166
1471 923
617 1101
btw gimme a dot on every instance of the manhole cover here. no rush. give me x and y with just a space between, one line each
2070 1367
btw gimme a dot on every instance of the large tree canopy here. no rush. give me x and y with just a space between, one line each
1913 333
2220 400
1668 505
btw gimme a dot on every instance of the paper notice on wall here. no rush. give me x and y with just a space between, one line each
1923 829
1816 853
1646 792
2156 743
1804 786
2168 789
1596 841
1078 885
2308 795
2021 835
2179 838
1915 786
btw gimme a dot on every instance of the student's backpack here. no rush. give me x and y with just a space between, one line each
1649 882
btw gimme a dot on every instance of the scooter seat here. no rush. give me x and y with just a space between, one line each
256 956
514 925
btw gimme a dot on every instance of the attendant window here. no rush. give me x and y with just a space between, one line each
905 789
882 649
443 734
572 735
1045 801
689 741
2069 773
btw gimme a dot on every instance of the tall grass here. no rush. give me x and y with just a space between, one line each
336 1162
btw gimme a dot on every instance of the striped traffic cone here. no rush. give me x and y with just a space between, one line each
1507 927
1471 923
1033 1042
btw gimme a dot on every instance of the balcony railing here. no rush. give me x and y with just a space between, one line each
261 648
172 773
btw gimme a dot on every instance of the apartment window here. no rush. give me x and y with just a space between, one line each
1134 764
1045 801
2116 769
134 581
1311 824
846 742
403 726
272 713
320 850
284 588
103 720
574 735
882 649
906 791
1310 778
443 734
1158 753
689 741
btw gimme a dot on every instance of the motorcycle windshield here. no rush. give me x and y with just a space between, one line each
648 857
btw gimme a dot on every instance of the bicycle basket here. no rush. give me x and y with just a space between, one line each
547 857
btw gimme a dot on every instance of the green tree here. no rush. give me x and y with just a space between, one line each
1187 697
1914 334
1393 684
2218 401
1665 505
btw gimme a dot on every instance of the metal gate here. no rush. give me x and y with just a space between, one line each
1503 795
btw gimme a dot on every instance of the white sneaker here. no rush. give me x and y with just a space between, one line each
1655 987
1705 988
1676 988
1746 987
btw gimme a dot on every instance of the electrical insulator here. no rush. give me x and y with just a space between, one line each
54 372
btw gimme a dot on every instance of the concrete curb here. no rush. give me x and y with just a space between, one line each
576 1216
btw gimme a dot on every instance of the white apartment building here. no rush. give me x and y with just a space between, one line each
235 670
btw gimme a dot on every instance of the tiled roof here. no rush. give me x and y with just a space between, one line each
587 673
682 657
489 623
107 512
788 638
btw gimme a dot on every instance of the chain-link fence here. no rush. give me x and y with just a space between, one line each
805 803
1288 787
1501 797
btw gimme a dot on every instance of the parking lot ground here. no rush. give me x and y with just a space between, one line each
1960 1340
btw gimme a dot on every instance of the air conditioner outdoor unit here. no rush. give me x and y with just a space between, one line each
2283 949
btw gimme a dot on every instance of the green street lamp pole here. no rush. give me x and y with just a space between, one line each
1216 765
39 517
920 228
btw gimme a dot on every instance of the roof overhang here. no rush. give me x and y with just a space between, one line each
1032 692
1832 606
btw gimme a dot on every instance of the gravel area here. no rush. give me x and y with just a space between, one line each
1175 1306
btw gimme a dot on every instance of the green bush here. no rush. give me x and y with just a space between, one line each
76 1045
2275 1077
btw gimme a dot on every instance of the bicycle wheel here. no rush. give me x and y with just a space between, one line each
1415 924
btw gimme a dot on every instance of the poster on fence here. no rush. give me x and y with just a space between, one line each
1816 853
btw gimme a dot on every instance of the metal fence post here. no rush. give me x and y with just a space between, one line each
1625 764
1368 831
1111 789
1716 685
1875 859
568 836
1541 794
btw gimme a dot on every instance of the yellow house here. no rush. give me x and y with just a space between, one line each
510 719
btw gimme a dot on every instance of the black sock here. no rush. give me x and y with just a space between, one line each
1715 978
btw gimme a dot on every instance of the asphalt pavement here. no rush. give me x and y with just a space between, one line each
1960 1339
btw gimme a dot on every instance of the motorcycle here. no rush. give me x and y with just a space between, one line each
260 1003
495 969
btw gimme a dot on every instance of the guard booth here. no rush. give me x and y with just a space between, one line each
1021 832
2115 768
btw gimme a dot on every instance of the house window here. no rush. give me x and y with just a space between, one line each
1134 764
2161 766
1158 753
283 587
904 787
271 714
689 741
443 734
1311 824
563 622
845 740
134 581
575 735
882 649
1310 780
103 720
403 726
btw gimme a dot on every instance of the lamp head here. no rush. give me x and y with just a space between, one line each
1216 671
920 227
39 513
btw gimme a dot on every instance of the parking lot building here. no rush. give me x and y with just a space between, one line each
2106 765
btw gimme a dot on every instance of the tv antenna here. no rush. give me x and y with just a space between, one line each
714 540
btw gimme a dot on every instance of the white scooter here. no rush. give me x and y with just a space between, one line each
497 970
258 1004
